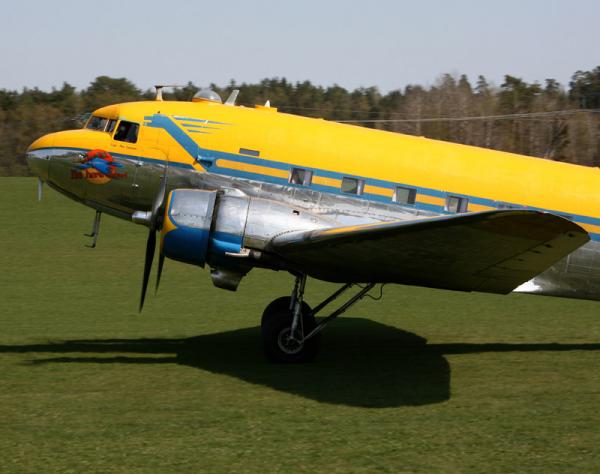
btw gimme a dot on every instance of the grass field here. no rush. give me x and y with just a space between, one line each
421 381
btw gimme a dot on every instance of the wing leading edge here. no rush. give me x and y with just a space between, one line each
492 251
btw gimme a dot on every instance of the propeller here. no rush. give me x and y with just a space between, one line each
40 189
161 261
155 226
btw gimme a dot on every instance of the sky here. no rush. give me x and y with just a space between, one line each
388 44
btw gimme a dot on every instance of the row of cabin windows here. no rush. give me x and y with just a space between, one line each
456 204
126 131
402 195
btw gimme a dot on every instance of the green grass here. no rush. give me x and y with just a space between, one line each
422 381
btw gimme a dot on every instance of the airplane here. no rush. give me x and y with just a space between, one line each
234 188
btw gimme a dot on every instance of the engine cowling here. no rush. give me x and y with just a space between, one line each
224 229
191 233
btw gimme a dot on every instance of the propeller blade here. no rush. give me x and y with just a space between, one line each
161 261
150 247
157 221
40 187
155 224
159 201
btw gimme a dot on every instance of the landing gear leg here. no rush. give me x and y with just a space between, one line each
95 230
283 325
289 329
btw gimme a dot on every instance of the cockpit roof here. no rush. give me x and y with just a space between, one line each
136 111
109 111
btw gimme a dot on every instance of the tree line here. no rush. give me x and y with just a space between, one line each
545 119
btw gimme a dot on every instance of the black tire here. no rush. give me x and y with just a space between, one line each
276 323
281 304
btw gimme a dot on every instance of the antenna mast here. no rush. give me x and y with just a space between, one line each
159 89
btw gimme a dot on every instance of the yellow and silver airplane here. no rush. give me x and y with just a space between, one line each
235 188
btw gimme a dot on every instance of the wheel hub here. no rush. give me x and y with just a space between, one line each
288 343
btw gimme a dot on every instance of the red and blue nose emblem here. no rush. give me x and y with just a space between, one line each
98 167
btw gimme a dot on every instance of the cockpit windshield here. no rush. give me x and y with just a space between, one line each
97 123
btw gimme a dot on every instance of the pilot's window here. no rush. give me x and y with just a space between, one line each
111 125
456 204
127 132
404 195
352 185
96 123
300 176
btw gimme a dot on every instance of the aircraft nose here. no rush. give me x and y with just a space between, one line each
38 156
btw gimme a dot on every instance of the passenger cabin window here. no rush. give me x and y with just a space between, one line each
404 195
127 132
248 151
96 123
300 176
456 204
352 185
508 205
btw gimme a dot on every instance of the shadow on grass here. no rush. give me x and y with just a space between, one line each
363 363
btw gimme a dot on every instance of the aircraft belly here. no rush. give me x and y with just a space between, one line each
575 276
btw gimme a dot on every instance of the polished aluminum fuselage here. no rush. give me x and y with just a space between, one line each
576 276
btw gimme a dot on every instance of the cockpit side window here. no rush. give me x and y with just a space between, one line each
127 131
111 125
97 123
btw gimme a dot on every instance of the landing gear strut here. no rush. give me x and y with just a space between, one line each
95 230
290 331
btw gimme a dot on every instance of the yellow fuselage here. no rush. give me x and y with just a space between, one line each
263 144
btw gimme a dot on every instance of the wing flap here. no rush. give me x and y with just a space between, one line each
492 251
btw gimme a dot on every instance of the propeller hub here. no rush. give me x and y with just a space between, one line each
142 217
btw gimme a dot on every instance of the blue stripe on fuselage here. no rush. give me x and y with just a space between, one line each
164 122
169 126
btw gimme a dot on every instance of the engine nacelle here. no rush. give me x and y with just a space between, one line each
222 229
204 227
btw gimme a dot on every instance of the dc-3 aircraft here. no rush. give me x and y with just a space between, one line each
236 188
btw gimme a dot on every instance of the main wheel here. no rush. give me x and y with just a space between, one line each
276 332
281 304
